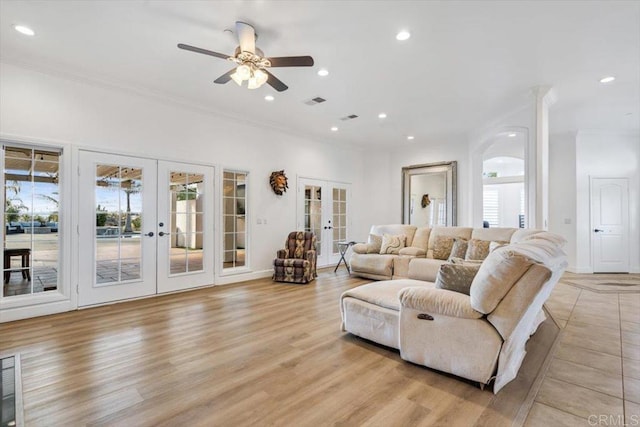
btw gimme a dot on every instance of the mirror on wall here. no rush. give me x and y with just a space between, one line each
429 194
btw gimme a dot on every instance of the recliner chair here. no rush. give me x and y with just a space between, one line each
297 262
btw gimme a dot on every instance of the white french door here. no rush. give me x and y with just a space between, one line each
610 225
145 227
185 226
323 208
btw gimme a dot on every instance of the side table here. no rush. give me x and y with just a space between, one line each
343 247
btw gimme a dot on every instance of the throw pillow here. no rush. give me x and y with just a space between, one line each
374 245
459 248
456 277
442 247
391 244
477 249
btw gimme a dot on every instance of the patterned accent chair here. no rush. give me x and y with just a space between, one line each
297 262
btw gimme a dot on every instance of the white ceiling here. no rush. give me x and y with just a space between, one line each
466 63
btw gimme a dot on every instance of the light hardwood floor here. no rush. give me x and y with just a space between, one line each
253 353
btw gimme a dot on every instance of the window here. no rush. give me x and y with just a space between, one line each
31 217
491 206
233 218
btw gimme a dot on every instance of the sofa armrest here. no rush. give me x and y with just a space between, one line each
413 251
438 301
360 248
283 254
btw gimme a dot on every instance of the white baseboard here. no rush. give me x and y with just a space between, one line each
26 312
579 270
241 277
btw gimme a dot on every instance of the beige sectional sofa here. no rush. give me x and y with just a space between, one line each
420 242
480 336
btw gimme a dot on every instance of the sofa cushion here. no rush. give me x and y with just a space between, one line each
442 247
374 245
385 292
413 251
421 238
497 274
391 244
459 248
456 277
498 234
394 229
437 301
514 305
477 249
424 268
373 264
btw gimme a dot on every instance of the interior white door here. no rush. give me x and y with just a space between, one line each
610 225
323 208
185 226
117 227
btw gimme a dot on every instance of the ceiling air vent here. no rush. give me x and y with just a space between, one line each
349 117
314 101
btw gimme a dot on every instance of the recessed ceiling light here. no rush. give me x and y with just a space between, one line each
512 135
269 98
382 115
323 72
334 128
24 30
403 35
411 137
607 79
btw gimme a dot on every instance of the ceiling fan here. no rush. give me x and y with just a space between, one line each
252 64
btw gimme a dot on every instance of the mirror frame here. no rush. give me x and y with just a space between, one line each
451 182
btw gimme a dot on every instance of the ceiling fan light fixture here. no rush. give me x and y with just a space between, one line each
261 76
243 71
236 78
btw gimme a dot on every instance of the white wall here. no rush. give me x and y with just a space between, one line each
42 107
606 155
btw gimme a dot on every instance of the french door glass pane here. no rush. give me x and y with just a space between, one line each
118 200
31 218
234 202
313 213
339 217
186 228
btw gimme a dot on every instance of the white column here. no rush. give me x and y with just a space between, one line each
544 98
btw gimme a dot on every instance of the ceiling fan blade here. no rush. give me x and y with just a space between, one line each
225 77
246 36
275 82
203 51
291 61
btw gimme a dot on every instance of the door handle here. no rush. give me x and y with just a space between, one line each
150 234
597 230
161 233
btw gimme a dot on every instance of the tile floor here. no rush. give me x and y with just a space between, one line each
594 375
